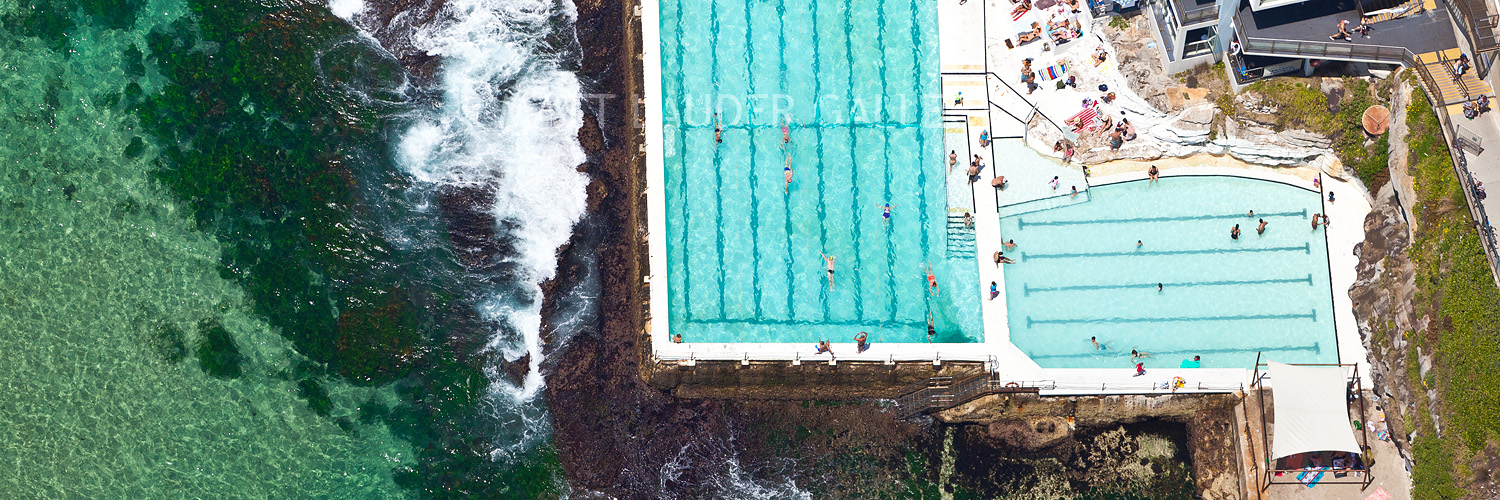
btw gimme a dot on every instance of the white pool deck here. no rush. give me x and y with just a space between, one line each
971 48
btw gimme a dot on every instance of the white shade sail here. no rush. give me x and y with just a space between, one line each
1311 410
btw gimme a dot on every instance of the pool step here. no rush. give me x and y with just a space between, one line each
960 238
1047 203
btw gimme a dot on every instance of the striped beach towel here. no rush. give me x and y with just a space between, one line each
1084 119
1052 72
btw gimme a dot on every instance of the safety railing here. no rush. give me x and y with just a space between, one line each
1457 142
1478 25
1204 14
941 393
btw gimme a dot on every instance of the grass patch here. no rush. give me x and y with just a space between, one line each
1457 293
1306 107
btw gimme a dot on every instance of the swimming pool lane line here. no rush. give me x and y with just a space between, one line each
1021 223
889 225
791 280
822 186
754 201
1312 315
687 289
718 162
1026 287
859 306
1315 348
1305 248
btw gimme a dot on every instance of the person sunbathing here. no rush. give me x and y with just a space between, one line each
1024 7
1100 55
1025 37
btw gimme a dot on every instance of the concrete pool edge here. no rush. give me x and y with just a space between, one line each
996 351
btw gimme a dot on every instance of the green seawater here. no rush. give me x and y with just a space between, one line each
129 368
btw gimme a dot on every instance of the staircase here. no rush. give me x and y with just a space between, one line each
941 393
1451 88
960 238
1394 10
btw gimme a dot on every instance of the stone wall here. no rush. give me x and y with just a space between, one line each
781 380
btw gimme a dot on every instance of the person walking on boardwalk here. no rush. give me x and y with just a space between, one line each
932 284
830 269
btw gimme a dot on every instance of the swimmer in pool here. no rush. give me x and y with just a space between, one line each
1010 244
718 131
786 129
788 171
932 284
1139 243
1261 229
1234 232
931 329
1158 288
885 213
830 270
1315 221
1097 347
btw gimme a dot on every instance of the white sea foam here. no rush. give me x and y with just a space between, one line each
508 119
346 9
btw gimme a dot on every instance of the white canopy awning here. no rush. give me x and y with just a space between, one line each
1311 410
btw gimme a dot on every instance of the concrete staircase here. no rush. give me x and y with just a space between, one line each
1450 87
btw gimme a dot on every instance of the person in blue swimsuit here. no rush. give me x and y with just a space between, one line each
885 213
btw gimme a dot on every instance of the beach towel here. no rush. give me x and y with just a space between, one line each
1379 494
1052 72
1309 479
1015 15
1084 119
1044 4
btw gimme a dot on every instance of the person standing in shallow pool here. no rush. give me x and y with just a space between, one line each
1010 244
1234 232
952 160
1315 221
1261 229
1053 183
1095 341
1139 243
830 270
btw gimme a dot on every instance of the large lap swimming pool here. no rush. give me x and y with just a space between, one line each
744 248
1079 275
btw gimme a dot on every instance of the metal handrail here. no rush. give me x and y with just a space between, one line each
1470 188
1199 15
1472 23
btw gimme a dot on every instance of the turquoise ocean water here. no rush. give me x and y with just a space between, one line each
745 248
218 279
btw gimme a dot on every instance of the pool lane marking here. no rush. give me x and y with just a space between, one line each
889 226
818 118
1021 223
850 125
922 154
1305 248
1316 348
873 325
754 203
1312 315
786 206
687 289
1026 287
859 309
718 165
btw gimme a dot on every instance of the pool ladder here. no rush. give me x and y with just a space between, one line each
960 238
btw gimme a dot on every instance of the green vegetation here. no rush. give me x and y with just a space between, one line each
1304 106
1456 292
218 355
1119 23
